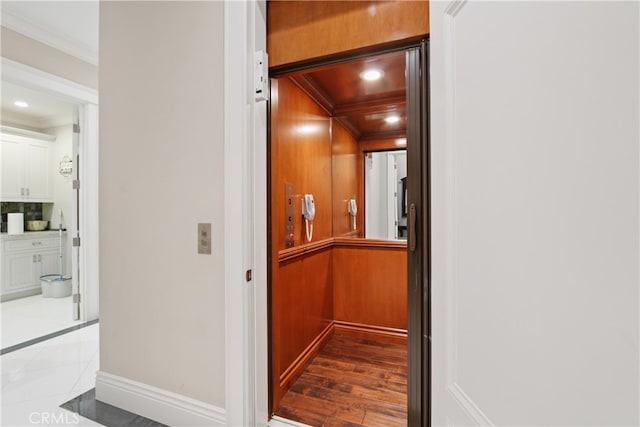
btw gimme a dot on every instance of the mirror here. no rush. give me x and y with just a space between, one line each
385 178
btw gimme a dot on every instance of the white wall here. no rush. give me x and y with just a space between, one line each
401 163
161 172
375 167
535 219
377 193
30 52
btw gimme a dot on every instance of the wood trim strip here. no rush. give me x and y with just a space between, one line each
307 85
374 136
383 144
352 242
349 235
369 107
304 250
291 374
374 332
349 127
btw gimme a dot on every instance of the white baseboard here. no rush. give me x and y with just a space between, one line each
156 404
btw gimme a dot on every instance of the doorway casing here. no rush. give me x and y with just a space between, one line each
418 248
246 346
87 101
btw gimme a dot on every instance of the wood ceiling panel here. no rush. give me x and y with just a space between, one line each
361 106
342 82
373 124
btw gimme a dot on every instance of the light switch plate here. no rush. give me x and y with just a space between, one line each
204 238
261 75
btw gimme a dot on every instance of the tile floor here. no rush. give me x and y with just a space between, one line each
87 405
37 379
31 317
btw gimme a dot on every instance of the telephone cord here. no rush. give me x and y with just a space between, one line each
309 233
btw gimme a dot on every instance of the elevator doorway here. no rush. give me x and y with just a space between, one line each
312 107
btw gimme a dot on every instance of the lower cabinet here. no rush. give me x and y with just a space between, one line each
24 260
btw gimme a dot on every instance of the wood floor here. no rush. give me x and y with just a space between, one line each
351 382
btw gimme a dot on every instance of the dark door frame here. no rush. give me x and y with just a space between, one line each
418 246
419 271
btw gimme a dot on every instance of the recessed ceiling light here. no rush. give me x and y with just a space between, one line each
21 104
392 119
371 75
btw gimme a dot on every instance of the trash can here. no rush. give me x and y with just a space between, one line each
55 286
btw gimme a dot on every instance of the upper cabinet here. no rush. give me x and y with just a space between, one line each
38 172
26 167
12 170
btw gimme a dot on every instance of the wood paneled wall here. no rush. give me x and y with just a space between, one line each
370 283
359 285
302 310
347 182
300 155
303 30
301 278
306 294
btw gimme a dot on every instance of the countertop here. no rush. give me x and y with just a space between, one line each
31 234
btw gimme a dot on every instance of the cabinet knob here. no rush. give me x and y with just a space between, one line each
22 191
36 243
34 258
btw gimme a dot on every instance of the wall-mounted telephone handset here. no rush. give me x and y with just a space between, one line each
309 212
353 210
308 207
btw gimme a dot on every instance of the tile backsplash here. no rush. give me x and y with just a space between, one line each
31 211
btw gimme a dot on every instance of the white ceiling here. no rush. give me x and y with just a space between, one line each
44 111
69 26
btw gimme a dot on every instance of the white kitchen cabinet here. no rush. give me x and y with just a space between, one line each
12 170
38 182
25 258
48 263
19 269
26 168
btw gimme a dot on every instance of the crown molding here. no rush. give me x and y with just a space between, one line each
49 37
33 78
9 130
